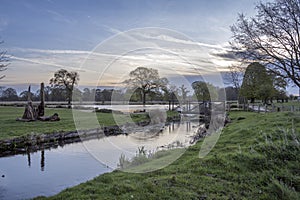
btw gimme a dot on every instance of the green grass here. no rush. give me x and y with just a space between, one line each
11 128
290 103
257 157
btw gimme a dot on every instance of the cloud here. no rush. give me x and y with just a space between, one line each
60 17
36 61
175 40
111 62
49 51
227 55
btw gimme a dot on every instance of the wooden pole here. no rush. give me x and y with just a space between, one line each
41 107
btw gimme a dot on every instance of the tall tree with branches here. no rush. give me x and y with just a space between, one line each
145 80
272 37
67 80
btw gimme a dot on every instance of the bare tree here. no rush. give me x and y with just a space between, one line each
3 62
67 80
235 76
272 38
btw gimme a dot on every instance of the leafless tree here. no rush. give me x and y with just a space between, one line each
272 38
235 76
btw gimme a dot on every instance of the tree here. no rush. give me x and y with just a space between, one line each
98 95
24 95
231 93
9 94
234 76
58 93
87 95
271 37
183 92
170 92
145 80
67 80
204 91
257 83
281 95
106 95
3 62
77 95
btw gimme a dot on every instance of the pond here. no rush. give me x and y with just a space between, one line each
50 171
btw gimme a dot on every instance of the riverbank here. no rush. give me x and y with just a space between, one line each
23 137
256 157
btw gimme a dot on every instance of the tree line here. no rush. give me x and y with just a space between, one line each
145 84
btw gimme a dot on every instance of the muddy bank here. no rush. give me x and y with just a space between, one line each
36 142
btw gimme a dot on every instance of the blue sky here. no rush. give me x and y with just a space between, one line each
42 36
79 25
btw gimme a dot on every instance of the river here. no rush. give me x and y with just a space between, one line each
47 172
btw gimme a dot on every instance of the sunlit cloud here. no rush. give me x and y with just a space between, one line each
109 64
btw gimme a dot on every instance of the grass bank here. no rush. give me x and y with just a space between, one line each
10 128
256 157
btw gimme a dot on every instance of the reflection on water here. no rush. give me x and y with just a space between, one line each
42 160
49 171
28 158
129 108
128 145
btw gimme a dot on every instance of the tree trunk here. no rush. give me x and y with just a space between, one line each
69 103
41 107
70 98
144 98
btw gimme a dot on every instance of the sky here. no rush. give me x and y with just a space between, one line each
105 40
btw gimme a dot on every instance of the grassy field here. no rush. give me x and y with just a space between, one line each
290 103
256 157
11 128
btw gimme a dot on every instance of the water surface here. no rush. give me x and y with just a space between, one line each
47 172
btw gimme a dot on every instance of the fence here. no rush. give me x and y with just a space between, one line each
259 107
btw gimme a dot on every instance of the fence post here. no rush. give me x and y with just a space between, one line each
292 108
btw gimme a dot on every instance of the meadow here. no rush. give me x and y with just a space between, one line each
256 157
10 128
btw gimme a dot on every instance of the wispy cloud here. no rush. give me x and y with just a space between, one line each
112 61
60 17
36 61
49 51
175 40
